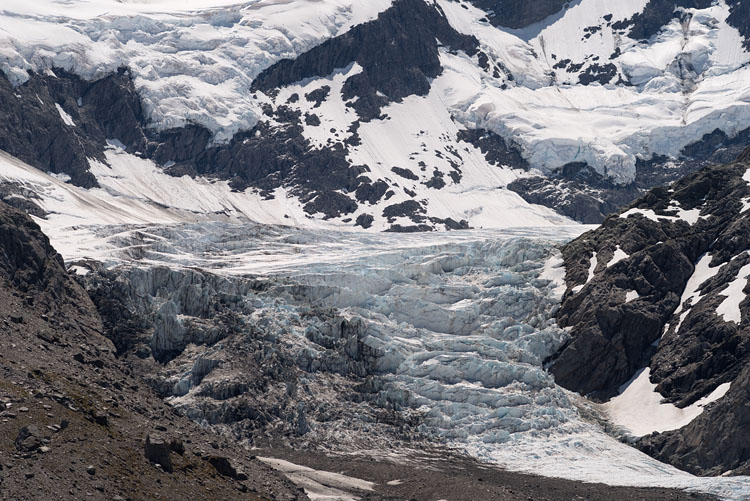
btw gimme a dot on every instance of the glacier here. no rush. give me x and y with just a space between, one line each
453 327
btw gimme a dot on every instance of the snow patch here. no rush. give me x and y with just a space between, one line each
618 256
65 116
640 410
554 271
690 216
318 484
729 309
690 296
592 267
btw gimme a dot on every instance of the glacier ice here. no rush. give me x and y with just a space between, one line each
448 330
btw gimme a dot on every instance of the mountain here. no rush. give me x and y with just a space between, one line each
349 235
656 295
403 116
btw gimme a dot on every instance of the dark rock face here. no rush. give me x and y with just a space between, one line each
33 130
29 439
577 191
655 15
157 451
398 53
599 73
697 349
494 148
518 13
28 261
662 256
739 17
405 173
223 466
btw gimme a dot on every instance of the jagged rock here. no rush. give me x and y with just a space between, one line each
518 13
712 443
660 241
655 15
29 439
157 450
223 466
495 149
109 109
176 446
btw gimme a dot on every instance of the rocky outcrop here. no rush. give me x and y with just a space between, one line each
518 13
655 15
580 193
495 149
662 285
398 53
57 121
711 444
73 413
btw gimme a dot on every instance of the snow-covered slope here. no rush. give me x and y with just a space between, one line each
192 61
426 134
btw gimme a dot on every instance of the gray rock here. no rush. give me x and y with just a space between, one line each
29 439
223 466
157 450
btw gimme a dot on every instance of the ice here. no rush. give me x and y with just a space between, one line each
191 61
640 410
318 484
631 296
558 121
729 309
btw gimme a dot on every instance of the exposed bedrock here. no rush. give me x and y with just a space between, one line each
662 285
398 53
519 13
582 194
